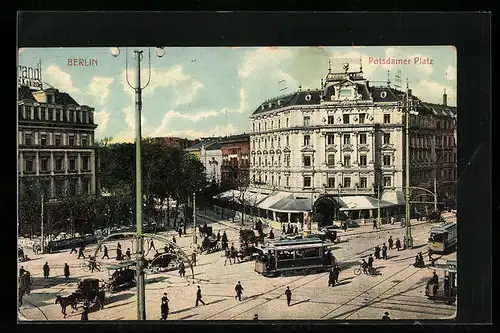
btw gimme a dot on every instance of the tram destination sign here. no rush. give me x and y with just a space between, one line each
30 76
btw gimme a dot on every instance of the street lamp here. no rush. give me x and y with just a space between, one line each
138 56
408 240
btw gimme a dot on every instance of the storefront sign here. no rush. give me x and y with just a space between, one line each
30 76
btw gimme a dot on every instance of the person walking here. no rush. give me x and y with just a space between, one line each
174 240
228 256
180 232
66 271
119 246
336 273
119 255
102 297
85 312
374 224
390 242
398 244
105 250
218 237
392 220
446 286
386 316
152 245
128 254
239 290
93 264
384 252
80 252
283 228
271 234
224 240
46 270
256 317
193 257
377 252
370 264
182 269
198 297
331 278
344 226
288 294
164 309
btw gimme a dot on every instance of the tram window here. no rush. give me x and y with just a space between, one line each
439 237
308 253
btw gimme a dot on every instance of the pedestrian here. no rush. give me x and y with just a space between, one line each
271 234
344 226
218 237
66 271
384 252
105 250
239 290
152 245
228 256
73 249
128 254
119 255
392 220
421 259
173 240
288 294
233 253
164 309
370 264
102 297
85 312
224 240
255 317
193 257
46 270
119 246
398 244
331 278
164 297
374 224
80 252
283 228
377 252
386 316
93 264
296 230
198 296
446 286
336 273
391 242
180 232
182 269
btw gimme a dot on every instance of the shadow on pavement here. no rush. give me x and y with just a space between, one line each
41 283
116 305
157 279
304 301
206 303
188 316
342 282
117 298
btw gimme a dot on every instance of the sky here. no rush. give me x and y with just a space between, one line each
198 92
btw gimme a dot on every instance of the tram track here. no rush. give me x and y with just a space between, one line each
32 306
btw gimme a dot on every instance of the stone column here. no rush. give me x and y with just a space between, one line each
52 186
21 163
66 165
51 165
289 217
371 146
355 147
339 154
37 164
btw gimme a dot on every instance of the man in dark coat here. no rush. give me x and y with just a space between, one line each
119 246
374 224
46 270
182 269
174 240
283 228
239 291
271 234
102 297
377 252
164 309
398 244
391 242
384 252
370 264
336 273
128 254
386 316
119 255
224 240
288 294
80 253
152 245
446 286
180 232
66 271
296 230
218 236
198 296
331 278
105 250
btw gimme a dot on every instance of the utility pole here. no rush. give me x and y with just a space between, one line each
408 238
435 193
194 219
41 226
378 207
243 211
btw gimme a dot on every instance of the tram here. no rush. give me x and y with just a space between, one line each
446 288
443 238
297 256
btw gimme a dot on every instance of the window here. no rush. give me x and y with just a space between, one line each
307 161
29 165
253 142
387 118
260 160
265 125
259 127
272 160
279 123
331 182
72 164
253 127
287 181
387 138
330 139
259 143
362 139
71 116
27 112
265 179
307 181
272 142
43 139
44 113
286 122
287 160
28 139
362 118
59 164
279 180
347 139
253 160
307 139
362 160
331 120
347 182
279 141
307 121
346 118
265 143
51 114
85 186
44 164
362 182
345 93
272 124
387 181
330 159
347 160
387 160
57 140
71 140
86 162
272 180
287 141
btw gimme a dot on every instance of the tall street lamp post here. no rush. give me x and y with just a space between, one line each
408 238
138 54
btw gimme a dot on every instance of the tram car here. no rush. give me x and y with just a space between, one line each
290 257
443 238
446 288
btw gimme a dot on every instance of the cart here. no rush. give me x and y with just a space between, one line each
121 276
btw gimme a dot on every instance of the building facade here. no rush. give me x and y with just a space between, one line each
56 146
235 166
346 142
211 157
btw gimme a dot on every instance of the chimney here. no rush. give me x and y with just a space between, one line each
445 98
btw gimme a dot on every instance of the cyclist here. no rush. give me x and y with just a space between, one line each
364 265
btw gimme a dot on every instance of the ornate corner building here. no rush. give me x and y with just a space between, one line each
346 142
55 143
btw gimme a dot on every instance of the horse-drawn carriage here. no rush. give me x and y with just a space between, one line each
88 291
205 230
209 244
434 216
24 284
121 276
162 262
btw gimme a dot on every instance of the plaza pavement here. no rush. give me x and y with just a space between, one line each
399 288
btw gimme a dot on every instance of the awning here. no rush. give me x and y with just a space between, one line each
362 202
253 198
292 204
272 199
228 195
395 197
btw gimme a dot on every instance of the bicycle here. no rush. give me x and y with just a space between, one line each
367 271
86 266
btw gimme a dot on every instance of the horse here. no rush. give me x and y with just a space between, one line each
71 300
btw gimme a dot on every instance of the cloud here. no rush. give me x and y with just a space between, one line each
450 73
431 91
99 88
263 59
59 79
102 120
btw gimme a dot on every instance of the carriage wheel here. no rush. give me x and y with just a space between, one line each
357 271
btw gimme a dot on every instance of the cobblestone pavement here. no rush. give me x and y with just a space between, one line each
399 288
